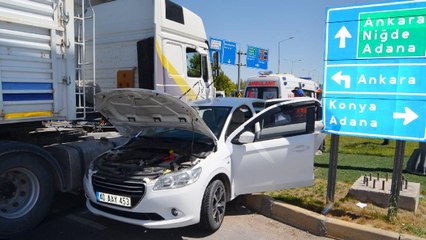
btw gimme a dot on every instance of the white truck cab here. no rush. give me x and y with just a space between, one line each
271 86
155 44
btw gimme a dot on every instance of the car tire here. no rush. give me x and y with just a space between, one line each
213 206
26 192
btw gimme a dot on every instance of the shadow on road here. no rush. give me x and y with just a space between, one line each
69 219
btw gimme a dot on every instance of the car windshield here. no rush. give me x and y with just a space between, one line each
262 92
214 117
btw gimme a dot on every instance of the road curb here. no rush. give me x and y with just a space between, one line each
318 224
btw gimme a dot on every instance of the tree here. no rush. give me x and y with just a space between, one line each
193 64
224 83
243 85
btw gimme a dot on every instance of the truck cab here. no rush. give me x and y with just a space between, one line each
156 45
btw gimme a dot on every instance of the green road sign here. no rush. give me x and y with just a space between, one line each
392 34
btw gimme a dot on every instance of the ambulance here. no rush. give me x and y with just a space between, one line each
271 86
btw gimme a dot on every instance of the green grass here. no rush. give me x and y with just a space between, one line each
350 167
360 156
370 146
357 157
421 232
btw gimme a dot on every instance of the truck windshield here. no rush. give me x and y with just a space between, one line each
262 92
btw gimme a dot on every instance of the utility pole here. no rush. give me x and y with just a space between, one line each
279 51
239 64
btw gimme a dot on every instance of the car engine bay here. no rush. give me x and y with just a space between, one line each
140 159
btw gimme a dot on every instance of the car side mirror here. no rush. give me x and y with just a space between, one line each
246 137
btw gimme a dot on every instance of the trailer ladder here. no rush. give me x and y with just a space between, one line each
85 87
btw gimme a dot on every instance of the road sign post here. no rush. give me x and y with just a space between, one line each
396 179
332 172
375 68
239 53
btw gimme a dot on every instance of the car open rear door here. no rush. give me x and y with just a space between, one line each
274 150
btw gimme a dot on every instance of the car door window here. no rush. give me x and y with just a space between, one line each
283 121
239 116
288 122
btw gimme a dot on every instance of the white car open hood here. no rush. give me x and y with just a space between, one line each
131 110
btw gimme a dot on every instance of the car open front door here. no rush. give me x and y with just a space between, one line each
275 149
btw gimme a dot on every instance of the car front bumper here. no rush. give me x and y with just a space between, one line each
170 208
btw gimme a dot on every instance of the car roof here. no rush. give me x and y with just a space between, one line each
226 102
299 99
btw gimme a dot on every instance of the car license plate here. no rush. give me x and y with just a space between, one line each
113 199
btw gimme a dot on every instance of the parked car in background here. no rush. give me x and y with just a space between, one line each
220 94
183 162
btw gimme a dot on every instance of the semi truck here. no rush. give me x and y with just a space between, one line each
55 55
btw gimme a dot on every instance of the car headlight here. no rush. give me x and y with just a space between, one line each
177 179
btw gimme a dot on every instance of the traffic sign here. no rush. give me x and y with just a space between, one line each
216 44
257 57
375 79
227 50
378 117
375 63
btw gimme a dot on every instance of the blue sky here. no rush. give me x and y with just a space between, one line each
265 23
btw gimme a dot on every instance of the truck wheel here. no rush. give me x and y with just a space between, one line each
213 206
26 192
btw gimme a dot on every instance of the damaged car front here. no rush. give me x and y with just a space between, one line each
159 177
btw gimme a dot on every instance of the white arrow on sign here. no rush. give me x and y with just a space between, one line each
338 78
343 33
408 116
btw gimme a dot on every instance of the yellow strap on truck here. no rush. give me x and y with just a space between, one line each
27 115
180 81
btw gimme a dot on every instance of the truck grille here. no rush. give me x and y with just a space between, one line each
133 189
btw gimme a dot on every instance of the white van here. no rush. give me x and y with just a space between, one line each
271 86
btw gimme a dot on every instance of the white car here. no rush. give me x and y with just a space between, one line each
184 162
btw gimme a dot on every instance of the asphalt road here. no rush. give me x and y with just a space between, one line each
69 219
